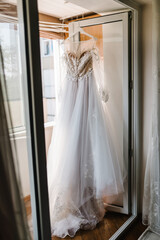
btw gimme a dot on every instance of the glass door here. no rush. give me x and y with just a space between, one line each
113 42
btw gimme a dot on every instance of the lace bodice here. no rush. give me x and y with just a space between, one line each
81 59
78 66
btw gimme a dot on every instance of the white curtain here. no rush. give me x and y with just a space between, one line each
151 199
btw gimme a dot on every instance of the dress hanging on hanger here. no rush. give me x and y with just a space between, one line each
82 164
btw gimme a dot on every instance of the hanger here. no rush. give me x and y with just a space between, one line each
80 30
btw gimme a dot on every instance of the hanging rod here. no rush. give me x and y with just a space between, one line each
50 23
8 17
43 25
53 30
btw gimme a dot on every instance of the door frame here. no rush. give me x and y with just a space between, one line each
135 104
125 18
28 16
136 124
32 91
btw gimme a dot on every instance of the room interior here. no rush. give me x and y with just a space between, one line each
118 48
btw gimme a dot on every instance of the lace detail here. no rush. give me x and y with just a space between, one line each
78 68
68 217
104 95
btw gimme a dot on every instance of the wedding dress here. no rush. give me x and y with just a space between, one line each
82 165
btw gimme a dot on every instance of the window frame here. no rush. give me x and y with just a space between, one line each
21 130
32 85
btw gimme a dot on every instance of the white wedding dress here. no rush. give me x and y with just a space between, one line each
82 165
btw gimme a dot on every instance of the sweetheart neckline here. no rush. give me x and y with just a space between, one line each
72 54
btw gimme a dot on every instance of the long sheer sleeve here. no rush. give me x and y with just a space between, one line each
110 108
99 75
59 71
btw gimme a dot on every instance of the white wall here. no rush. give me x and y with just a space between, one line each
21 145
146 45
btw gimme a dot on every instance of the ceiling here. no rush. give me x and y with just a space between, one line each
68 8
99 6
60 8
57 8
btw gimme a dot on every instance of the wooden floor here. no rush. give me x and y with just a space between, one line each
105 229
135 231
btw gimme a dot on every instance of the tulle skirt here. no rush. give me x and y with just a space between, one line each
82 165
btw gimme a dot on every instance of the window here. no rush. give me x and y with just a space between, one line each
9 40
48 79
50 56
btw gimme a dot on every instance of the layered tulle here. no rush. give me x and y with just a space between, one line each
82 165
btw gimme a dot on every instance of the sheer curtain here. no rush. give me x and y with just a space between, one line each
151 199
13 223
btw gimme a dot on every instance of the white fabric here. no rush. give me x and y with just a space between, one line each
151 200
82 165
